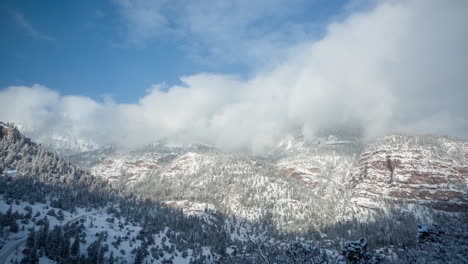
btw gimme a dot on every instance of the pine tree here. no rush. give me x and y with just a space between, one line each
75 248
14 227
65 247
31 241
60 216
7 218
44 233
34 258
111 258
139 256
101 256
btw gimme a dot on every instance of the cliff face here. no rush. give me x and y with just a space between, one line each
425 170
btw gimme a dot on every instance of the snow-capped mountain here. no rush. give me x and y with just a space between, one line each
59 142
198 204
327 179
69 145
292 183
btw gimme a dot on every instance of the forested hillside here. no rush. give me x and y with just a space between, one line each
203 206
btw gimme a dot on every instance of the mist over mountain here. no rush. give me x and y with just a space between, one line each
402 199
400 66
269 132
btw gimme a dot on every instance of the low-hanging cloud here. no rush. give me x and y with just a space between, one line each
402 66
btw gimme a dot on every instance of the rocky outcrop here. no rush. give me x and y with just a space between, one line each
426 170
130 167
307 176
321 164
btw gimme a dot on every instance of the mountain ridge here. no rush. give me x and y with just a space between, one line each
301 193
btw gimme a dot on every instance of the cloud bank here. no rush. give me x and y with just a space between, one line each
400 67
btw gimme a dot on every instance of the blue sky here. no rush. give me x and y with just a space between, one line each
101 48
240 74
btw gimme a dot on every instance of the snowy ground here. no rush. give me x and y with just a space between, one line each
95 222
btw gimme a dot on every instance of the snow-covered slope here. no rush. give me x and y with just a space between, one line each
425 170
232 207
296 182
336 171
68 145
322 164
114 163
60 142
116 235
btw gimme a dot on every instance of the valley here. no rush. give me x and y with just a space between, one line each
241 208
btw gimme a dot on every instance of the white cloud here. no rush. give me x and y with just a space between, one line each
144 17
212 32
401 66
